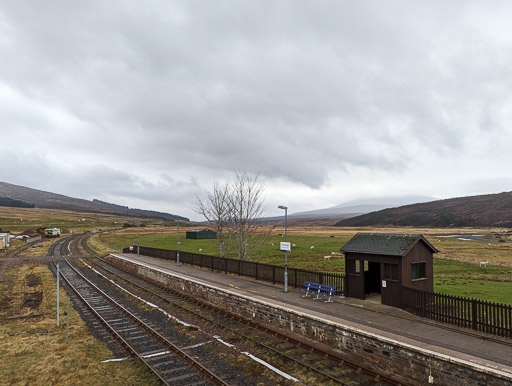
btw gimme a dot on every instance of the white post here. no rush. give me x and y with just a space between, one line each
67 322
178 251
285 252
138 236
58 304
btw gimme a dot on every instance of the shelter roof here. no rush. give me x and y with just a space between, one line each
384 243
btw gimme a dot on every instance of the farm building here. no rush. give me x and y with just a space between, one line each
201 234
382 263
28 235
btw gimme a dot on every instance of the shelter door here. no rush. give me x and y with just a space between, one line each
372 277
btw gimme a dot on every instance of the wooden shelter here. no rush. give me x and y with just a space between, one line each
383 262
201 234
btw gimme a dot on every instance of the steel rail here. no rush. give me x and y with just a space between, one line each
18 250
482 336
195 364
335 358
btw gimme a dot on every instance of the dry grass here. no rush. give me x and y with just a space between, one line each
100 247
33 351
20 219
41 249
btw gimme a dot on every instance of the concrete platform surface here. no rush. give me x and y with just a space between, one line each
488 353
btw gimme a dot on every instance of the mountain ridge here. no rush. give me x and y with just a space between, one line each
489 210
362 206
47 200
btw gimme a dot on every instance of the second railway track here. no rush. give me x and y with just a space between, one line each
171 364
310 362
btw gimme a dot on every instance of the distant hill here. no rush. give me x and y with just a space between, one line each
47 200
361 206
490 210
6 201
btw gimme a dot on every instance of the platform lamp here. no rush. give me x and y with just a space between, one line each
138 237
178 251
285 253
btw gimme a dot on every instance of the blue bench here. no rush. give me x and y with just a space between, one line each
318 289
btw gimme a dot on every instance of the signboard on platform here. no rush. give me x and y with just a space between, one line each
286 246
131 248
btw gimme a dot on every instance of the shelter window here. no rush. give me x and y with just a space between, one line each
354 267
391 271
418 270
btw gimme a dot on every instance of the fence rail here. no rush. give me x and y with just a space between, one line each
258 271
488 317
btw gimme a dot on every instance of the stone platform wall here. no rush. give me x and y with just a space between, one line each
413 366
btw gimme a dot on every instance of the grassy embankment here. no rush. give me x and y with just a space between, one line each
33 349
456 267
21 219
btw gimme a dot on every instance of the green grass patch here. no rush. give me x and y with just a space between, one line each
302 255
492 291
462 278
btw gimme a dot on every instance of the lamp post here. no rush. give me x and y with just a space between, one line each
285 252
138 237
178 251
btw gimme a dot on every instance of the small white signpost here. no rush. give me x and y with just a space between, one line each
286 246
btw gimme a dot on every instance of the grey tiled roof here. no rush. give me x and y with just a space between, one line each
384 243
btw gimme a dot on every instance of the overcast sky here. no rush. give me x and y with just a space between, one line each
146 103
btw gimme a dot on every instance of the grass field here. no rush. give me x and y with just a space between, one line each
33 349
457 267
21 219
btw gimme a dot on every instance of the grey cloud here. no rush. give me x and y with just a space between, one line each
294 90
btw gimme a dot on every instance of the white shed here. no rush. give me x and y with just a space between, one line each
4 240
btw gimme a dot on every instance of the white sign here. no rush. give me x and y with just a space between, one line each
286 246
383 283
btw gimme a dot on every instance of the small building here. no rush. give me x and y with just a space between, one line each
29 235
383 262
4 240
201 234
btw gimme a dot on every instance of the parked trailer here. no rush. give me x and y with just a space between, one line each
52 232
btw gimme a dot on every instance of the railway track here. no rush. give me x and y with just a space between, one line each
171 364
17 251
328 367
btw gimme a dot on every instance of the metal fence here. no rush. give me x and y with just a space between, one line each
488 317
258 271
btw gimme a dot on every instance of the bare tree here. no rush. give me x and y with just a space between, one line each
246 207
216 211
234 209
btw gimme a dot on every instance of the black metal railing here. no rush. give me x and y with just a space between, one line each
259 271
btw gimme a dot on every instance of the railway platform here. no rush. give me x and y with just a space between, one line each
481 352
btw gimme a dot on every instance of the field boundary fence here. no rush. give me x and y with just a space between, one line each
259 271
488 317
107 244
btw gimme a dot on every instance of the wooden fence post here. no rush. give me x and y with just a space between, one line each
473 314
423 304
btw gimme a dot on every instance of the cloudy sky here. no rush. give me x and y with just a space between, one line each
146 103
